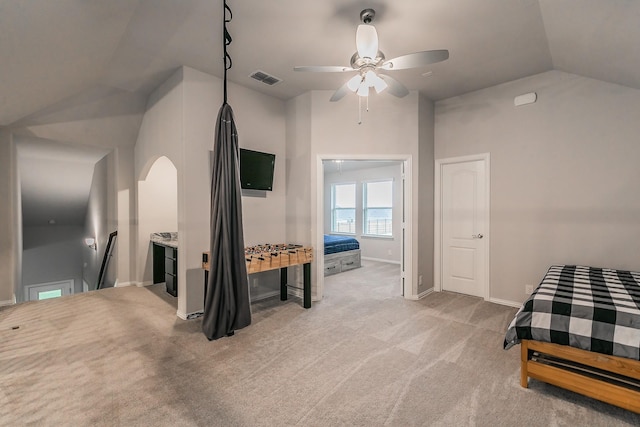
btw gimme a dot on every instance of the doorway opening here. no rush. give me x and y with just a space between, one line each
158 213
368 198
66 198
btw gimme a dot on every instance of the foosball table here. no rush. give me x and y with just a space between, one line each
267 257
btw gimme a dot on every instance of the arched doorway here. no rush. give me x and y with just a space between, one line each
157 203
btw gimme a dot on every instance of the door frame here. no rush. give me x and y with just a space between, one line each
407 255
437 241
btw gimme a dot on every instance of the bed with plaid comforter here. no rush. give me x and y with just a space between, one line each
593 309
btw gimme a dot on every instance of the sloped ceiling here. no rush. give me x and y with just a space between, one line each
80 71
55 180
56 50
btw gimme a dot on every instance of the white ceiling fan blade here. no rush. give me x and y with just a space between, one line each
340 93
323 68
394 87
367 41
416 59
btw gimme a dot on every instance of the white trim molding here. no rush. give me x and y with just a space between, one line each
505 302
388 261
437 223
124 284
189 316
8 302
421 294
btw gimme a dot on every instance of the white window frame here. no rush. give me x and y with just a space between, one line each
365 208
333 208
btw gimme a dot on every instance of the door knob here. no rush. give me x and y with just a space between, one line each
477 236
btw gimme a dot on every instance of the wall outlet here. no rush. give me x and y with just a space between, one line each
420 280
528 289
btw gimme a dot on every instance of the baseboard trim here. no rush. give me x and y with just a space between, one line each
142 284
195 315
125 284
420 295
366 258
8 302
189 316
505 302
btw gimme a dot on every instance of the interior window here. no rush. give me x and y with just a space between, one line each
378 208
343 208
50 294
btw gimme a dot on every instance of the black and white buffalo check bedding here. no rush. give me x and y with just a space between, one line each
594 309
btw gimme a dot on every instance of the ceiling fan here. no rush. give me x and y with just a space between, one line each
368 61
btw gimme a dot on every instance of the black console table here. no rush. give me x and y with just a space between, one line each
165 266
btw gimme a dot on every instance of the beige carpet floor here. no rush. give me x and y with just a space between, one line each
363 356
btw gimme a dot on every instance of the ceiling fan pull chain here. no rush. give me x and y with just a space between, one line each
359 110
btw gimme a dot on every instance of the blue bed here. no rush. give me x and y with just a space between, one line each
341 253
334 244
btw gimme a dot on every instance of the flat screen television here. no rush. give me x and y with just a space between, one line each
256 170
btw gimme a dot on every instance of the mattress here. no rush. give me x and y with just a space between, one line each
334 244
594 309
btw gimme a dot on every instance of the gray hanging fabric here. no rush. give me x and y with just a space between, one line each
226 305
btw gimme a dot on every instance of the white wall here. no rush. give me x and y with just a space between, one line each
53 253
378 248
180 124
298 170
564 173
391 127
124 253
96 224
260 123
425 202
10 226
160 135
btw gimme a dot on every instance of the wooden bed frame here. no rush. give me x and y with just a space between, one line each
611 379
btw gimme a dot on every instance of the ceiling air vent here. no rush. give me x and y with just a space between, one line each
265 78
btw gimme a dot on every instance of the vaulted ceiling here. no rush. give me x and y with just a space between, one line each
79 71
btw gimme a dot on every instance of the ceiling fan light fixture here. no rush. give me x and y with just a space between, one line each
367 41
354 83
373 80
379 85
363 90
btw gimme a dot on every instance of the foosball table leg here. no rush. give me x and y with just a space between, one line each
307 285
283 284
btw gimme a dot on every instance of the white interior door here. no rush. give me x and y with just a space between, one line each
464 225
